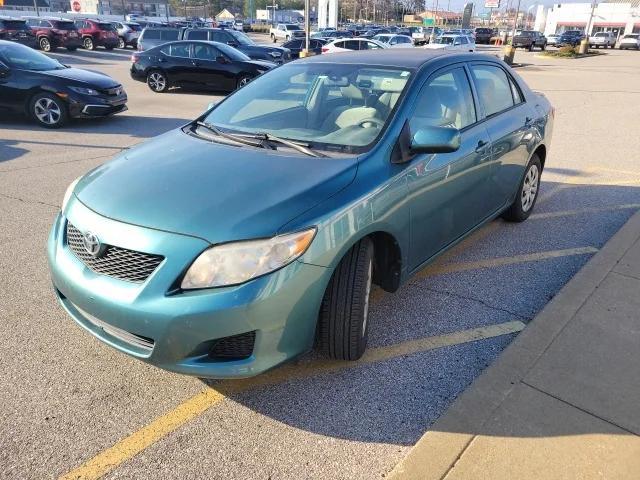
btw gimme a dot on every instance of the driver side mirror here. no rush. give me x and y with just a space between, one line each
222 59
424 140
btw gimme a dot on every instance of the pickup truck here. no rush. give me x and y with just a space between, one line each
285 32
529 39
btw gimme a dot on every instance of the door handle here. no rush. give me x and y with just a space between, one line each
481 146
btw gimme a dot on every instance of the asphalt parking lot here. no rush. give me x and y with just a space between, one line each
73 407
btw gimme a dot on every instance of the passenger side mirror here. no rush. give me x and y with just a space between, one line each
222 59
210 105
435 140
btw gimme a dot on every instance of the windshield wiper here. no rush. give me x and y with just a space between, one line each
299 146
236 138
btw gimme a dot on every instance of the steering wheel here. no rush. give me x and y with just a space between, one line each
375 120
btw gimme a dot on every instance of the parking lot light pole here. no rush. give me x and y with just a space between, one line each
307 29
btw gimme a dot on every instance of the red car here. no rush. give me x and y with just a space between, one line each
52 33
95 33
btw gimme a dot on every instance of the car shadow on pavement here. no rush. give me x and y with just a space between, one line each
9 152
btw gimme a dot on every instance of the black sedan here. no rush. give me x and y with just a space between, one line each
297 45
195 64
50 92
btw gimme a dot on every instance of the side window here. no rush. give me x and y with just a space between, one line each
446 101
205 52
218 36
493 88
152 35
45 24
197 35
463 40
352 45
169 35
370 46
515 90
179 49
339 44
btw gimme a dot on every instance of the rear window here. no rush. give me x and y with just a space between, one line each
169 34
151 34
65 25
107 27
14 24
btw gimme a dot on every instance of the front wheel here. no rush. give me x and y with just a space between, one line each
87 43
48 110
243 80
157 81
121 43
527 195
343 321
45 44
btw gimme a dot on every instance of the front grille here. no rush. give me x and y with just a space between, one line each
113 261
115 91
235 347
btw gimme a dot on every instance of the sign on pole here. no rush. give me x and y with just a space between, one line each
492 4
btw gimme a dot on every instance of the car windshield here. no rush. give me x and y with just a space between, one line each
18 56
15 25
232 53
108 27
241 37
444 40
337 107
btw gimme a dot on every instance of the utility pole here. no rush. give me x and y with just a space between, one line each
124 11
35 4
307 24
515 21
588 29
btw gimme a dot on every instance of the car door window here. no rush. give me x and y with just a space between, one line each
515 90
152 35
205 52
446 101
370 46
197 35
218 36
352 45
179 50
494 90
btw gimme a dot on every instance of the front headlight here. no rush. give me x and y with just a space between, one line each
69 192
238 262
84 91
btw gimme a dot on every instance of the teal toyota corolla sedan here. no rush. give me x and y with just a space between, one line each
255 232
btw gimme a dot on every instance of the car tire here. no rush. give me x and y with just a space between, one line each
157 81
528 190
121 43
342 324
44 44
243 80
543 47
48 110
87 43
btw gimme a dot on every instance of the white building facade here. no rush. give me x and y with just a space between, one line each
619 18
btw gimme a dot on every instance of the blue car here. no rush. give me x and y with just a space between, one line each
241 240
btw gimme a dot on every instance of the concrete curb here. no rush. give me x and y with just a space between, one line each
439 448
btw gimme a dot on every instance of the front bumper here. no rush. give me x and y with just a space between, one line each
281 308
92 106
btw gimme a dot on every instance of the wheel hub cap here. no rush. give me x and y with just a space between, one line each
47 111
530 188
156 81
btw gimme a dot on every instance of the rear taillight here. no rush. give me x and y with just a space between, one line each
324 50
134 58
3 30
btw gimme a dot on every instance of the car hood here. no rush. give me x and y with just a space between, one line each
95 79
220 193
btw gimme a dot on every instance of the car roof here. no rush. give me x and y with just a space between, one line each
394 57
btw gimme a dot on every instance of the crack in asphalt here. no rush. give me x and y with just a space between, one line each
36 202
65 161
480 301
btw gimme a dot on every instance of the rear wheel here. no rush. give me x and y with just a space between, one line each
527 195
48 110
45 44
121 43
87 43
342 324
157 81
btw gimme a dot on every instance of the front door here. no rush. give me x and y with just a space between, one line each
448 191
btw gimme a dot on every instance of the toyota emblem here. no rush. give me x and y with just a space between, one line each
92 244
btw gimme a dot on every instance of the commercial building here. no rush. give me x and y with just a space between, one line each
612 16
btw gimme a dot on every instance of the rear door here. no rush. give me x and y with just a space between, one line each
509 121
175 60
208 72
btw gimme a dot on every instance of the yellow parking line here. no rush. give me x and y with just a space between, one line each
501 261
138 441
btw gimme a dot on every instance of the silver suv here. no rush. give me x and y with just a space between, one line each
128 33
603 39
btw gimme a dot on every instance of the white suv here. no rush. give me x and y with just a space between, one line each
630 40
602 39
